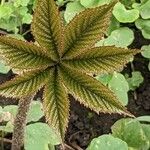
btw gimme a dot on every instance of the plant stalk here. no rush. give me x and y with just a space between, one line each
2 140
20 123
2 2
134 92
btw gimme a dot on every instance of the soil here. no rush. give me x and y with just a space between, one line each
84 124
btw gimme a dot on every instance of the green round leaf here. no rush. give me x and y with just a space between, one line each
104 79
135 81
18 3
120 87
146 129
5 11
145 10
27 18
3 68
35 112
127 3
94 3
107 142
38 136
72 9
11 109
146 51
144 26
136 5
10 25
121 37
8 128
123 15
114 24
130 131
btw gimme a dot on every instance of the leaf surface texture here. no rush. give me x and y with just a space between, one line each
56 104
47 27
86 29
23 55
25 84
91 92
101 59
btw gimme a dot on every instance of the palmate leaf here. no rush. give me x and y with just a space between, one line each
101 59
56 104
25 84
86 29
61 62
91 92
23 55
47 27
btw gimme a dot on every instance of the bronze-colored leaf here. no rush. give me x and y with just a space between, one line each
86 29
91 92
101 59
25 84
47 27
23 55
56 104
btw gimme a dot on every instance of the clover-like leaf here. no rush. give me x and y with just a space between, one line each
135 80
94 3
35 111
107 142
130 131
3 68
72 9
144 10
18 3
127 3
144 26
123 15
114 24
146 51
121 37
51 64
37 140
120 86
5 11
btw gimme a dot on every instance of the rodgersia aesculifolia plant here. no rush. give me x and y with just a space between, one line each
63 62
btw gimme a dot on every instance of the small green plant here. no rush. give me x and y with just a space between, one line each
13 14
107 142
33 129
121 84
62 61
118 84
146 53
127 134
137 13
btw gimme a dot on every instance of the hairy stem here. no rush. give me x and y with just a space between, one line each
20 123
2 2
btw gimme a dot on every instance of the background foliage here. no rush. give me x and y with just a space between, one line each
16 14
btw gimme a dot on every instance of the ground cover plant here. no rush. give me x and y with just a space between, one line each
127 134
119 83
